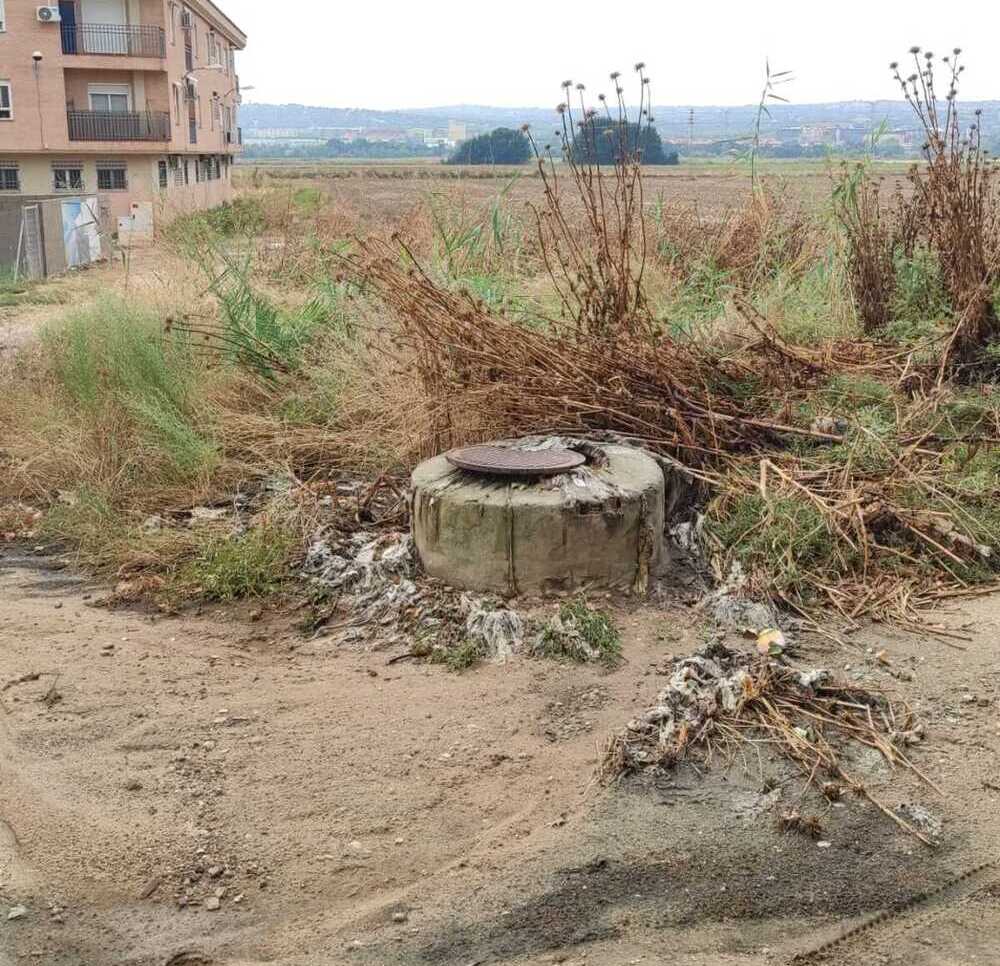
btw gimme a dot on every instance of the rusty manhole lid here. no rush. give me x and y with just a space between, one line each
503 461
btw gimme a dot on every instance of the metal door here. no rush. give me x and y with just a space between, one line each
32 247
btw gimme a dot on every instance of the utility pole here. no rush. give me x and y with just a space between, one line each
691 127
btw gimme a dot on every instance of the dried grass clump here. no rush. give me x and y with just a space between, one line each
871 246
766 236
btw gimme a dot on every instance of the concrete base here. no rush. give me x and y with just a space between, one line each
599 526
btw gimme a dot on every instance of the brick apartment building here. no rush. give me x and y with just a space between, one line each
131 102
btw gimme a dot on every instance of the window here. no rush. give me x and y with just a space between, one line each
162 169
111 176
173 24
6 99
10 176
177 103
187 172
67 177
111 99
3 19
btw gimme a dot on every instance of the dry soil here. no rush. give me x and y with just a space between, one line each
219 790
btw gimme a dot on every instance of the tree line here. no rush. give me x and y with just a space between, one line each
599 141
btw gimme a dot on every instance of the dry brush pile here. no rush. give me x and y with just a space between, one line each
855 472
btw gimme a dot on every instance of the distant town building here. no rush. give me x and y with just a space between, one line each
457 131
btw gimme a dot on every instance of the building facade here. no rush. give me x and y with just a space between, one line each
133 102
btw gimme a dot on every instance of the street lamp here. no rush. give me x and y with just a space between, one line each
248 87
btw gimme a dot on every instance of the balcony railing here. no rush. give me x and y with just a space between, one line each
118 125
117 40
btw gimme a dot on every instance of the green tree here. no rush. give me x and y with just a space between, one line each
501 146
601 140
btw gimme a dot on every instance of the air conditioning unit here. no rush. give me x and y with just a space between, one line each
48 14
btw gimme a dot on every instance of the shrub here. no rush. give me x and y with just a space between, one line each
501 146
601 140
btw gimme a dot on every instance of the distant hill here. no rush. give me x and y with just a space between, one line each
674 122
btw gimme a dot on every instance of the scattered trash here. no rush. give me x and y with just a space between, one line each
16 912
719 697
207 514
921 818
501 632
727 607
830 426
373 576
771 642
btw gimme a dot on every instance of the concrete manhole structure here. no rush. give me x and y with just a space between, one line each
539 515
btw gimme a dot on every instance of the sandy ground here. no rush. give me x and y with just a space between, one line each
339 809
48 300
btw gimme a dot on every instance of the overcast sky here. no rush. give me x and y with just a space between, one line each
424 53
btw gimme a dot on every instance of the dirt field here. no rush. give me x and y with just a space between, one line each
221 790
387 189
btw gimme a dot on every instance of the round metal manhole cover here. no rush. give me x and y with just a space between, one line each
503 461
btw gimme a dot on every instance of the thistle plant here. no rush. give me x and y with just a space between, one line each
955 203
598 274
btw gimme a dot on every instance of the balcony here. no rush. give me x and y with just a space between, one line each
118 125
114 40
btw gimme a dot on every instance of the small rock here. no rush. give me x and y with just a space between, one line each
399 917
151 886
212 903
823 844
215 871
133 785
16 912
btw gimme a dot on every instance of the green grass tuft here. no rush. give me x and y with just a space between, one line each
253 564
581 633
784 540
116 367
